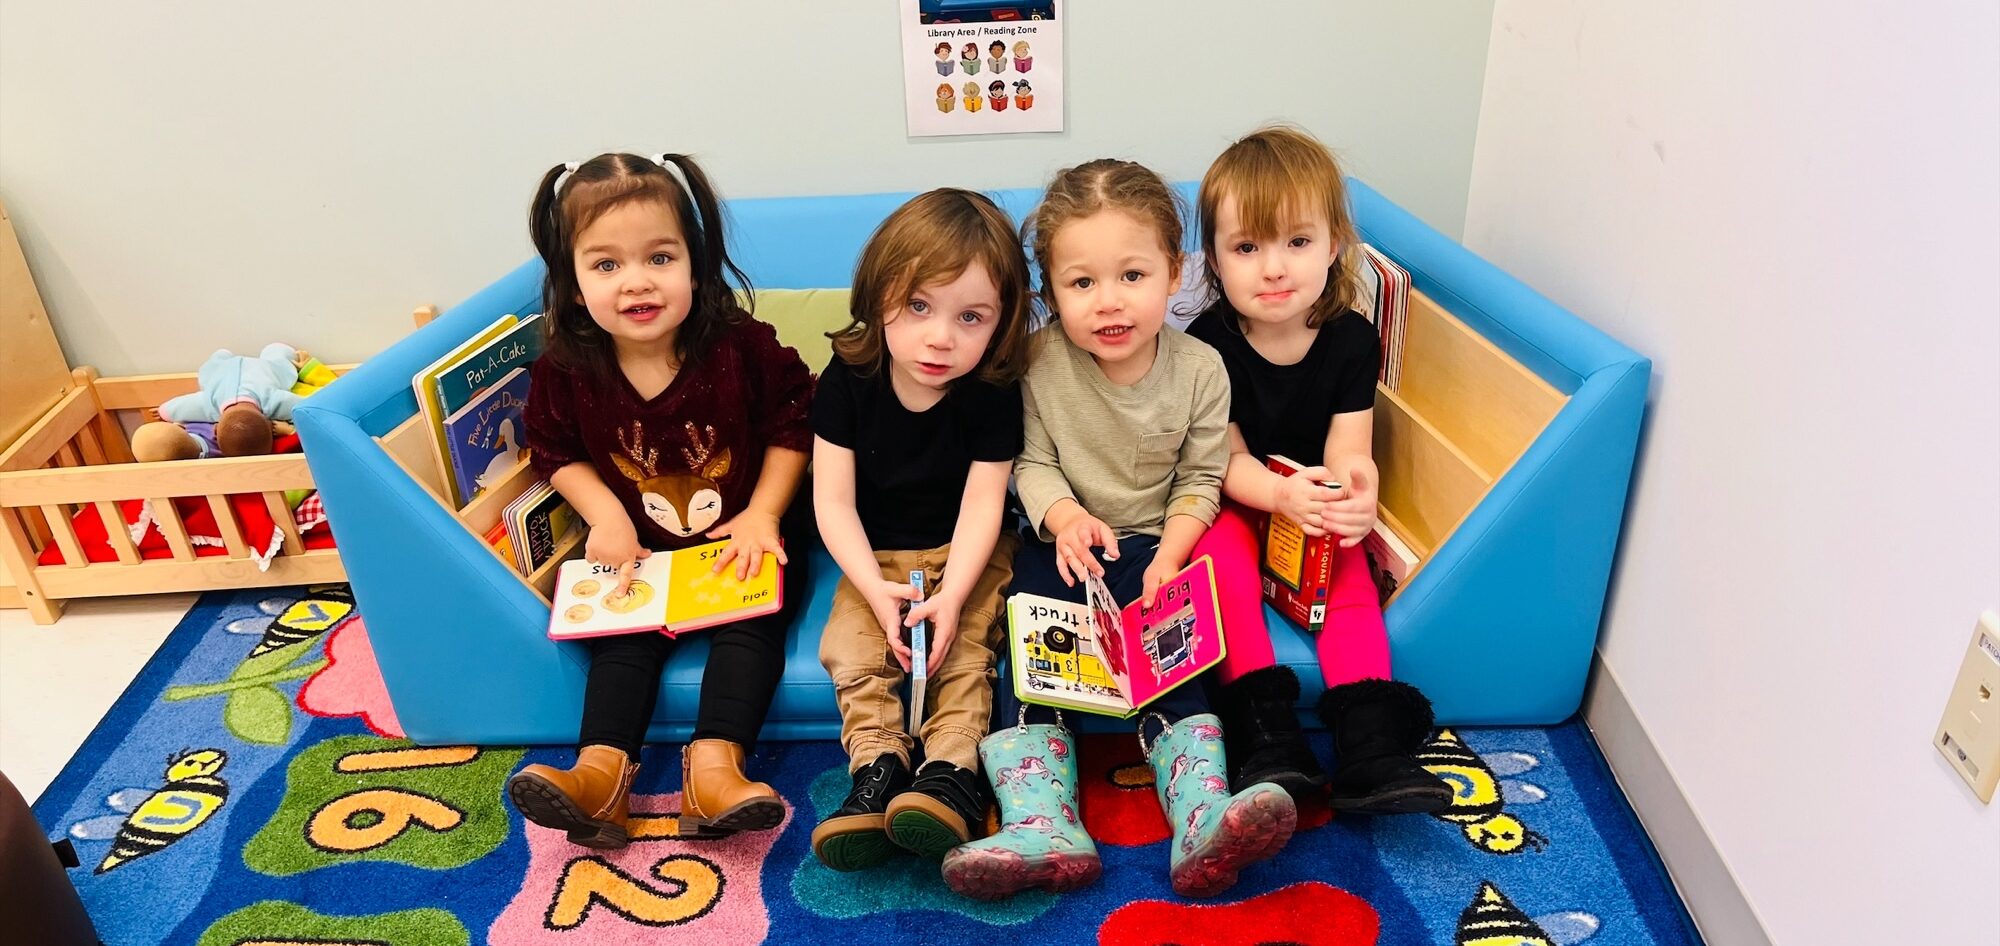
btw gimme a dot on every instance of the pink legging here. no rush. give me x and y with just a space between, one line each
1353 644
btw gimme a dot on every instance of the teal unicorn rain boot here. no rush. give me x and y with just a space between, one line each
1214 834
1041 841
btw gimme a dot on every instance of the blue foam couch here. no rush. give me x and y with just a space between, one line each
1498 626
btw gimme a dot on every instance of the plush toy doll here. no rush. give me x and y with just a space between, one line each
233 414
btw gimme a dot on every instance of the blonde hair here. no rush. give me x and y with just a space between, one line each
1103 184
931 239
1279 174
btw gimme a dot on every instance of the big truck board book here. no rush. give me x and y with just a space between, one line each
1100 658
672 592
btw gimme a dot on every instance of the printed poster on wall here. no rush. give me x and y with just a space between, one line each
982 67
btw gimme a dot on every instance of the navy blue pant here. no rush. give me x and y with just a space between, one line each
1035 573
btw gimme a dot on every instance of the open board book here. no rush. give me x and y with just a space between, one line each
672 593
1100 658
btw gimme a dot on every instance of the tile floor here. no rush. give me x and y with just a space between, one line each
57 681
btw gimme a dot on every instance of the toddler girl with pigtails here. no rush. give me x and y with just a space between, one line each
668 417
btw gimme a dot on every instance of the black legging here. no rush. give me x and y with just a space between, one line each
745 660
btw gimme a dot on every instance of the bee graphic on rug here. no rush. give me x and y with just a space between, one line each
1480 797
158 817
323 607
1493 920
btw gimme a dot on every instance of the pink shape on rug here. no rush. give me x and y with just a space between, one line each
704 891
351 683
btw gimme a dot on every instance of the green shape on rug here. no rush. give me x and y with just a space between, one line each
257 712
904 883
362 798
278 923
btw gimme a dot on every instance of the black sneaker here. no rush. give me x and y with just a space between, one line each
854 836
939 811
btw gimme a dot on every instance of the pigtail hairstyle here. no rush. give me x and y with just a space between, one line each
564 206
932 239
1093 186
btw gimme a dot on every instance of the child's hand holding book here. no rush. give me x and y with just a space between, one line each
887 599
1352 516
751 535
941 609
1304 497
1077 532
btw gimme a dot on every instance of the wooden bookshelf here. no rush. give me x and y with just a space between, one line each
411 446
1464 412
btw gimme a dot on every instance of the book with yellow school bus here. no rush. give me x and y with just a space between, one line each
672 593
1100 658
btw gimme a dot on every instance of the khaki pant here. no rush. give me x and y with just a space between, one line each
867 680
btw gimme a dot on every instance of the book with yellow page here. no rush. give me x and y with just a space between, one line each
672 592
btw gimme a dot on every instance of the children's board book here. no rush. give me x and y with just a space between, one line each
424 383
536 522
673 592
1100 658
484 436
1298 568
920 656
1390 558
1385 300
489 364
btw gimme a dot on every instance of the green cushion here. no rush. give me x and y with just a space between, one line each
803 317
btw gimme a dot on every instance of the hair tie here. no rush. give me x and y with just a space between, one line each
569 168
680 177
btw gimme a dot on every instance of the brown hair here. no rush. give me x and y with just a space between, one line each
1279 174
595 188
1103 184
932 239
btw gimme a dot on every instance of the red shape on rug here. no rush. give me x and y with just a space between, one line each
1119 804
351 683
1309 914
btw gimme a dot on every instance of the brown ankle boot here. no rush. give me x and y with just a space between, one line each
590 800
715 795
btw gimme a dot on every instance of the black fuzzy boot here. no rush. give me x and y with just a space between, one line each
1261 734
1378 726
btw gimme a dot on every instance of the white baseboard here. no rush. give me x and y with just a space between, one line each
1706 885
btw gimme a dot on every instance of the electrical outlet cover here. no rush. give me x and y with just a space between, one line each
1969 734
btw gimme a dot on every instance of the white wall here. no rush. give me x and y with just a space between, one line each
188 176
1791 206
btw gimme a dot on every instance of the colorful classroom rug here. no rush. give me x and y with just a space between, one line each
250 786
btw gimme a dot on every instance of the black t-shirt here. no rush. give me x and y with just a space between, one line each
910 468
1285 409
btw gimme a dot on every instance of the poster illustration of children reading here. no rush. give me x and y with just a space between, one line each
988 46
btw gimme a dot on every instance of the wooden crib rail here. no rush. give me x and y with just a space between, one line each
146 392
161 480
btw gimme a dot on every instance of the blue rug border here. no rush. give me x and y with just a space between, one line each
125 711
1632 850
